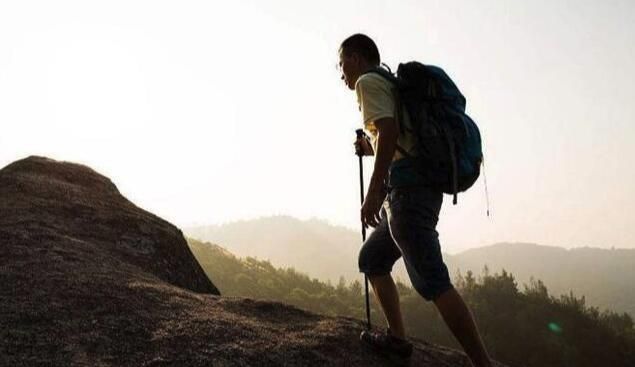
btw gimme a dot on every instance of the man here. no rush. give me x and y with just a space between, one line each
405 218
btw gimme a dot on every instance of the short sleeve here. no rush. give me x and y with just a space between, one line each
375 97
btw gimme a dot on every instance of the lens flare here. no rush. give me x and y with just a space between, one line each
555 327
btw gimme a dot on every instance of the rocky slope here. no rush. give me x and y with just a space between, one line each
89 279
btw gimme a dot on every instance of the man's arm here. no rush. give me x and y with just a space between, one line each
387 134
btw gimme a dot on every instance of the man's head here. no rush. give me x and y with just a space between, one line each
358 54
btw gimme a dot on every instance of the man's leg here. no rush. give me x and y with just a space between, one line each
412 216
460 321
388 296
376 258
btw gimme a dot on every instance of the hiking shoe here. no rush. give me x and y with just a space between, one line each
386 344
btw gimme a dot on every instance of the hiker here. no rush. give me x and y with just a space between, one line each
402 209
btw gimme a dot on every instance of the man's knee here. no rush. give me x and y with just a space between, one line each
373 263
429 281
363 260
431 292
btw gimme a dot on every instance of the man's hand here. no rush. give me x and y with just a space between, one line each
370 208
363 146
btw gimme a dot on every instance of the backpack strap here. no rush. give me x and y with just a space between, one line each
403 151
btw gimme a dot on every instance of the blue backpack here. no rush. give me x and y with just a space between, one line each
448 154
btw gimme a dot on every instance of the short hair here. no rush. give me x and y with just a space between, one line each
362 45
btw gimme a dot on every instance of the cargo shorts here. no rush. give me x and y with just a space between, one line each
407 228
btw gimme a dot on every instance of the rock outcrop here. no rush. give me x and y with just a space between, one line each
89 279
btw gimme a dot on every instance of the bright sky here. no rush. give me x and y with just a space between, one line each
207 112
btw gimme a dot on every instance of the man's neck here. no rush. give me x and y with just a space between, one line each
366 68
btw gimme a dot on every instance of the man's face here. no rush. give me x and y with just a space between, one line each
350 68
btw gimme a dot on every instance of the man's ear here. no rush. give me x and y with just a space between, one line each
355 58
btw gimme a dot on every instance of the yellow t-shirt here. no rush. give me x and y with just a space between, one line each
376 100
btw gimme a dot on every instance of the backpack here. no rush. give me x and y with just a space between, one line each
448 150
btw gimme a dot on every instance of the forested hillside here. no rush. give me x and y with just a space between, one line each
604 276
524 327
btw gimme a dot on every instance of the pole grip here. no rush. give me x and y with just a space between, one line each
359 152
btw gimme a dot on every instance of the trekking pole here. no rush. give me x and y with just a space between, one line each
360 154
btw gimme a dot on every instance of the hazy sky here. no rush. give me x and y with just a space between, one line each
208 112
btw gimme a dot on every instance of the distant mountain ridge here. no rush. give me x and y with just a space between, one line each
288 241
605 276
